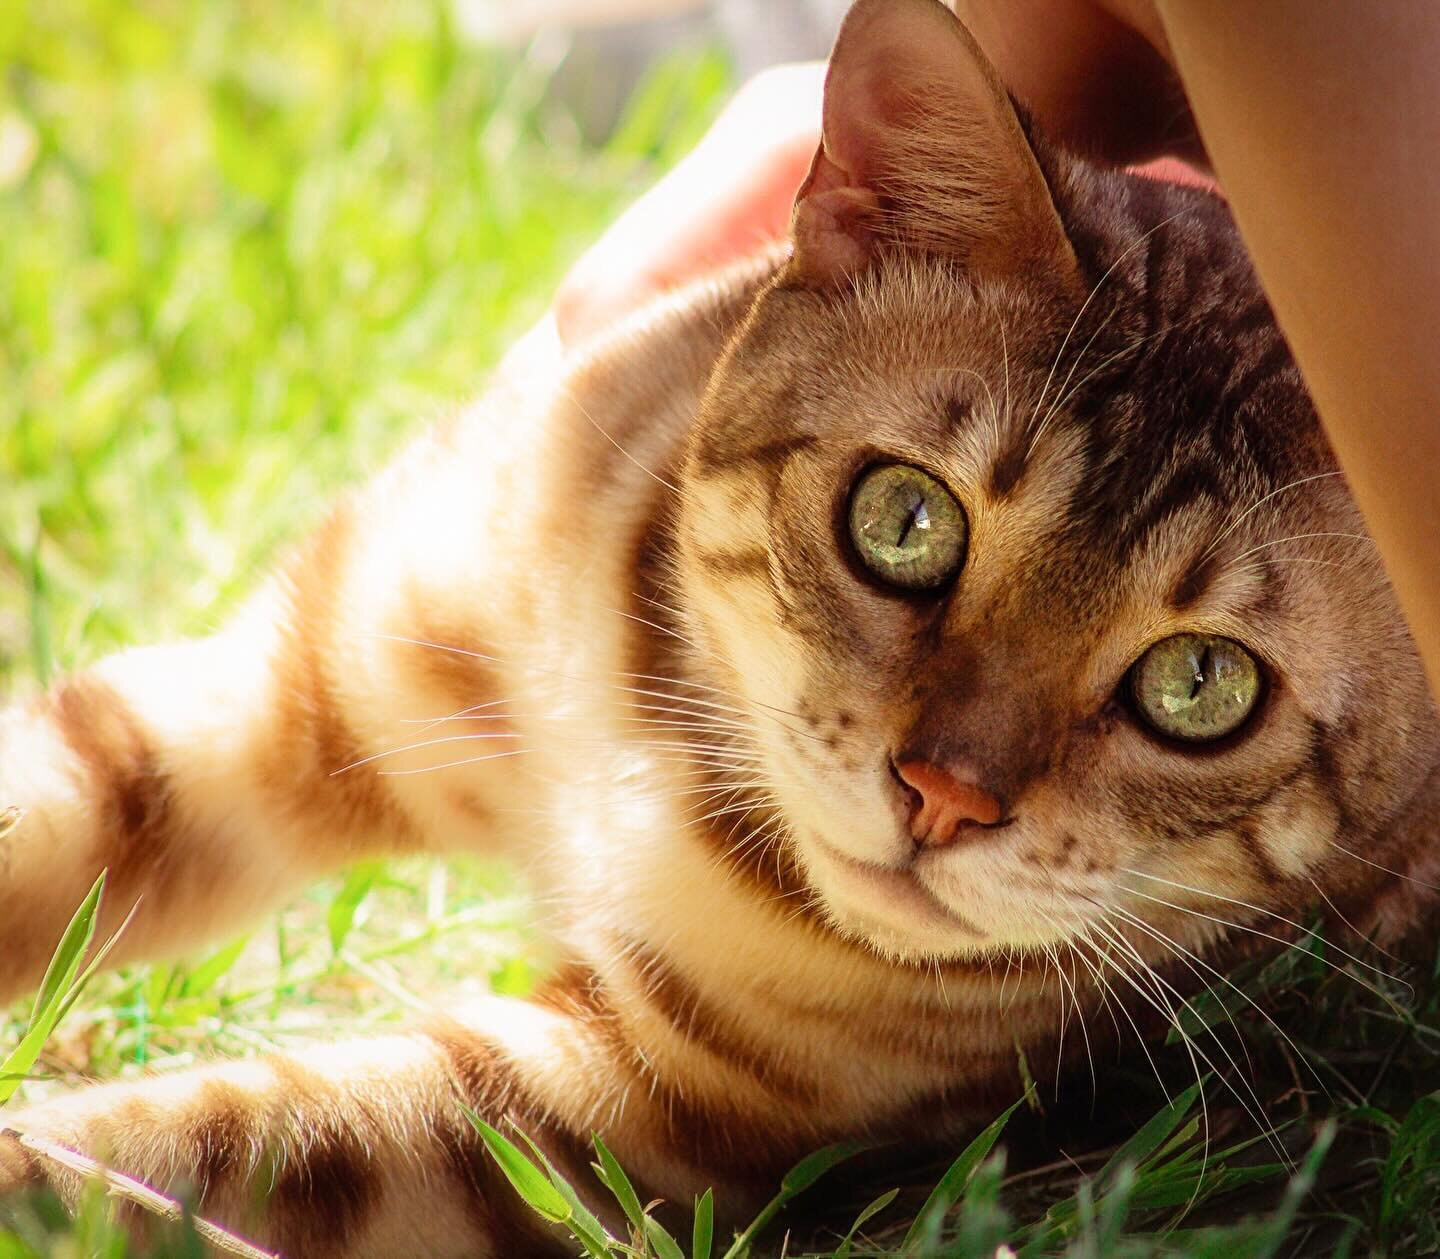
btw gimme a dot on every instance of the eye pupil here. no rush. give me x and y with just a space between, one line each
908 529
1200 671
918 518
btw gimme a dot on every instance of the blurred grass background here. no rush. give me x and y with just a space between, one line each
246 246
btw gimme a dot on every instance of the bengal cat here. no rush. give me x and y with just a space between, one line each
839 643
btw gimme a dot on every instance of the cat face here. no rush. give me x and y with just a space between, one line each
1011 475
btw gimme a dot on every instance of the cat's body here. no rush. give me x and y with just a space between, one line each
661 679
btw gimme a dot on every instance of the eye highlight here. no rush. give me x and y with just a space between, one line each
908 529
1195 687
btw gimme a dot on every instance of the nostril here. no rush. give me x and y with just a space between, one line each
913 798
942 804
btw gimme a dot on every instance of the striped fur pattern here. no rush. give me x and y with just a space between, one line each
658 678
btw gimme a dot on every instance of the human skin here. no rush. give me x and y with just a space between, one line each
1316 115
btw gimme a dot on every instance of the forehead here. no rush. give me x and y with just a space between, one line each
1125 458
1166 398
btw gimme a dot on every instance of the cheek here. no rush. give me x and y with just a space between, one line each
1234 825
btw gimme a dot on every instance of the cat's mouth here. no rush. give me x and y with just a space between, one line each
885 900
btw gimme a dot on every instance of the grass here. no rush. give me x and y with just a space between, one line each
248 247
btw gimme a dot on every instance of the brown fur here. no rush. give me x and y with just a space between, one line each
699 689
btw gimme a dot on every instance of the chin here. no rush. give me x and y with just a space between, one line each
896 935
891 943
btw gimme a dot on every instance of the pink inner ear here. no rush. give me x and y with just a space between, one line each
832 236
887 54
837 206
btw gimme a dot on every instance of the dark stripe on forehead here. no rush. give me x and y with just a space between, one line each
772 455
1163 499
750 563
1272 362
1010 463
1194 582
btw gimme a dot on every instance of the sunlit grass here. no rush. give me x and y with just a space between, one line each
245 249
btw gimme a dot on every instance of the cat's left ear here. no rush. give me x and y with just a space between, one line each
921 149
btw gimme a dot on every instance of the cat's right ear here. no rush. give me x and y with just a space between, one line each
921 149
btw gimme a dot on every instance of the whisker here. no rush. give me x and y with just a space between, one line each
431 769
1284 943
458 715
1235 524
490 658
1166 1011
595 424
1129 1018
1063 398
657 627
1005 359
1195 959
1264 913
1060 394
413 747
1300 537
1069 982
1267 1130
1409 878
1075 323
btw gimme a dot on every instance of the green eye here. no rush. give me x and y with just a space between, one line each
1195 687
908 528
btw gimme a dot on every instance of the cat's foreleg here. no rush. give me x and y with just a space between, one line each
363 1149
213 778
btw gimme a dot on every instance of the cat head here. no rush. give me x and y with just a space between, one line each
1009 515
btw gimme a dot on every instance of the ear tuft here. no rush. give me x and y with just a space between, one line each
921 150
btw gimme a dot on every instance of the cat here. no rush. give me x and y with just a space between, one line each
841 640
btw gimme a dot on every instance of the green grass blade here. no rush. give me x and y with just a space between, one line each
68 955
357 886
529 1181
874 1209
619 1184
703 1236
581 1222
665 1246
1153 1133
61 988
798 1179
208 973
809 1169
926 1229
96 962
1296 1192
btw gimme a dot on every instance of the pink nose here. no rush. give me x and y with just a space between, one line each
944 803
